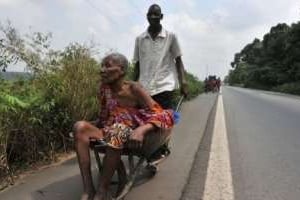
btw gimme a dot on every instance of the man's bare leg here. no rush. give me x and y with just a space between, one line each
83 133
110 164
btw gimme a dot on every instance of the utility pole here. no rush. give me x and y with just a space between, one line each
206 71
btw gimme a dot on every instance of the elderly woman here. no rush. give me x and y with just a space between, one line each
127 113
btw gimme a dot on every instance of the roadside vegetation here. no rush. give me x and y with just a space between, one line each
270 64
37 112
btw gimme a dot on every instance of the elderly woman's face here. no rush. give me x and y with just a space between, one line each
111 71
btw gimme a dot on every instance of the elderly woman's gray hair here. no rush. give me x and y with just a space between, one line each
117 58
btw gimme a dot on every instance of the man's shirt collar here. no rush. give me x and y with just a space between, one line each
162 34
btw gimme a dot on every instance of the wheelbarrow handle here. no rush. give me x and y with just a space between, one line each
179 103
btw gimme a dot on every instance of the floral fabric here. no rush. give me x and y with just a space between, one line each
119 121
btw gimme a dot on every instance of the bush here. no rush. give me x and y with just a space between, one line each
36 115
196 86
291 88
32 127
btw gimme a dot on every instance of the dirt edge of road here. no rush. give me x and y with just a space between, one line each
20 175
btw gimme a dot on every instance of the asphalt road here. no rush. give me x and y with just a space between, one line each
63 181
264 143
262 135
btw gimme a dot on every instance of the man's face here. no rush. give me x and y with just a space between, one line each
154 16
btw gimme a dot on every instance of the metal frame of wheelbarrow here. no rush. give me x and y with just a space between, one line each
134 168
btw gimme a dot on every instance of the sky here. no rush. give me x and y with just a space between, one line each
210 32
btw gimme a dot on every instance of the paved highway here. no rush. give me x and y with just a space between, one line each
250 151
63 182
264 144
254 154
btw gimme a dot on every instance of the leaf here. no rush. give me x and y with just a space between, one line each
12 101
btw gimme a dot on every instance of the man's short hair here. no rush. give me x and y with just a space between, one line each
153 6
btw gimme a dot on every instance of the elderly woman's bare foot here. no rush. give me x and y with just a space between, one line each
86 196
103 196
121 185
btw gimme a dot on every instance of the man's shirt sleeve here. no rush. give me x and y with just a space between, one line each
175 48
136 56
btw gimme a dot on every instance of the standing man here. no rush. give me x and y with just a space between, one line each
158 63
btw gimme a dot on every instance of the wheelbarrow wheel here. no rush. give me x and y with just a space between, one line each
152 169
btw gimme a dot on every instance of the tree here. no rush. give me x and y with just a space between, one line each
32 49
271 62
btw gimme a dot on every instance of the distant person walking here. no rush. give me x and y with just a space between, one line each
219 83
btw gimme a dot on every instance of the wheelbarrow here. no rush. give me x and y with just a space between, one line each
138 160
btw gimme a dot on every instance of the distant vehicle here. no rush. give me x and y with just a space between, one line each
212 84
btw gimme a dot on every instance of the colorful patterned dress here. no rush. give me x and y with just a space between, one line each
118 121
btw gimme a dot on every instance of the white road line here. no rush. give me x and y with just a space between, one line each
218 183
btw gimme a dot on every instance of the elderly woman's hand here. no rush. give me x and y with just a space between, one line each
138 134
